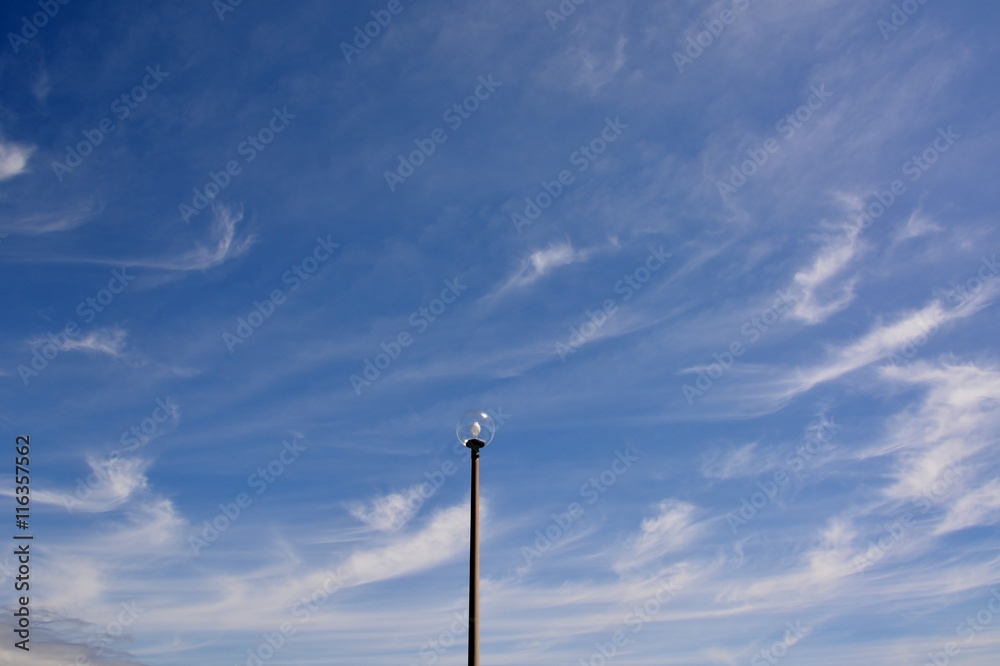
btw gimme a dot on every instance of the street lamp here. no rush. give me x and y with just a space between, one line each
475 430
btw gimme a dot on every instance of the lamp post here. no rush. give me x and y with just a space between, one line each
475 430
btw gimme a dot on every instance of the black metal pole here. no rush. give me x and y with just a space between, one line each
474 445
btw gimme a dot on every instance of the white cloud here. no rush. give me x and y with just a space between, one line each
978 506
13 159
673 528
35 223
542 262
918 224
821 294
226 246
389 512
598 64
110 484
733 464
881 341
110 341
816 575
152 527
943 447
223 245
444 537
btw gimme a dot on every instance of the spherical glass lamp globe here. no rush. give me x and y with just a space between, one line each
475 425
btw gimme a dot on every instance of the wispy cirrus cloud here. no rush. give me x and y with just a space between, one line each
733 464
822 294
815 573
885 339
109 341
52 221
775 387
111 482
942 446
978 506
906 426
223 244
673 527
442 539
389 512
542 262
917 224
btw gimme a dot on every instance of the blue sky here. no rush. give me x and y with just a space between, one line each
724 273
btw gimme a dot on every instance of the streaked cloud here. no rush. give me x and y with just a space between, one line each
388 513
441 540
542 262
109 341
794 320
111 482
823 290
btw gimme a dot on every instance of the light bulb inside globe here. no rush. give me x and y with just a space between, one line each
475 425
